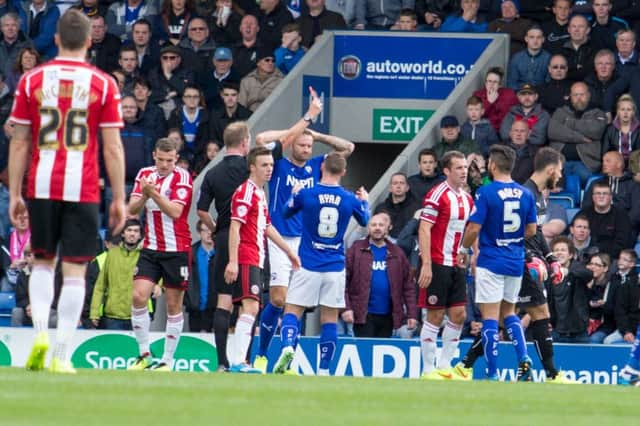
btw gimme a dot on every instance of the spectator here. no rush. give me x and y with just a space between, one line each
200 297
19 241
622 134
21 314
477 128
519 141
198 46
290 52
372 15
557 219
477 172
148 49
601 80
9 6
467 21
569 300
433 20
111 299
168 81
609 224
128 61
259 83
529 110
530 64
122 14
554 93
193 121
580 236
105 47
40 25
151 117
452 140
511 23
231 111
427 176
245 51
273 16
575 130
626 55
602 296
211 151
27 59
173 19
555 30
224 23
496 100
12 42
629 82
317 19
380 290
407 21
578 49
120 78
627 306
92 8
223 71
400 205
175 136
604 27
440 8
625 276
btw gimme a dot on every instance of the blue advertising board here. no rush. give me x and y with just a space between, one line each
322 86
402 67
598 364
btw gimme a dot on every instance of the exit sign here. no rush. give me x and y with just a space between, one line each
398 124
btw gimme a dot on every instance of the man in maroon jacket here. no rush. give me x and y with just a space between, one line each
380 289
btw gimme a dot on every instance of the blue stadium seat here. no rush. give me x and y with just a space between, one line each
571 213
564 201
571 188
7 303
591 180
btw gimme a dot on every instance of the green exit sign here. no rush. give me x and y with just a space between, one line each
398 124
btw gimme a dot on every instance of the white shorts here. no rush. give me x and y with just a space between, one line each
310 289
494 288
280 263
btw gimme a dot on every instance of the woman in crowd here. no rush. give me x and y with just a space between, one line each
622 134
496 100
174 16
27 59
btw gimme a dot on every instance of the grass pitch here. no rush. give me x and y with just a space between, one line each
120 398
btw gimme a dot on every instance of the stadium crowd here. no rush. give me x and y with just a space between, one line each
188 69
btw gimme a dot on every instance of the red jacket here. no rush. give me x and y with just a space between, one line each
403 290
496 111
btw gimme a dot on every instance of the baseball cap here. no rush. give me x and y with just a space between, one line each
527 87
449 121
222 54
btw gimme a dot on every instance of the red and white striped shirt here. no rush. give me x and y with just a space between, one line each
249 207
448 211
66 101
161 232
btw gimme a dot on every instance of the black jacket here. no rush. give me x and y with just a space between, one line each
554 94
271 25
400 213
626 196
327 20
219 120
611 231
627 309
599 89
420 185
569 301
104 55
580 61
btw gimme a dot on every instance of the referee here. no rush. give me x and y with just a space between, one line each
218 185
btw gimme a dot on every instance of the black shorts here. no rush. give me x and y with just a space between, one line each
65 228
531 293
173 267
448 288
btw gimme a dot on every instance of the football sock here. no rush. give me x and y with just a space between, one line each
490 344
41 296
634 359
175 323
428 336
475 351
221 320
69 309
289 330
140 322
328 341
242 337
514 328
544 345
450 339
268 325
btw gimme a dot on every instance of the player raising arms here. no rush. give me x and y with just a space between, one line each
442 279
250 226
503 216
298 167
164 191
58 110
326 211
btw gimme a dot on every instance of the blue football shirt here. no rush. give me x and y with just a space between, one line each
326 211
503 210
380 290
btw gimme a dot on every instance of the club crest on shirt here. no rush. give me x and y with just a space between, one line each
433 299
242 211
255 289
307 169
182 193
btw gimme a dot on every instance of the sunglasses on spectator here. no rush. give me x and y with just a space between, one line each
268 59
170 58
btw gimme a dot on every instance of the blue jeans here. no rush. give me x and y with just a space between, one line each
578 168
598 337
116 324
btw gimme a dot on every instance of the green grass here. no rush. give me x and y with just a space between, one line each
143 398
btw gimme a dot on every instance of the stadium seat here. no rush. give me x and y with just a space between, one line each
564 201
591 180
571 188
7 303
571 213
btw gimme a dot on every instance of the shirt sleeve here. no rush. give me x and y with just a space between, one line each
429 211
532 214
182 190
239 204
137 191
20 111
111 108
